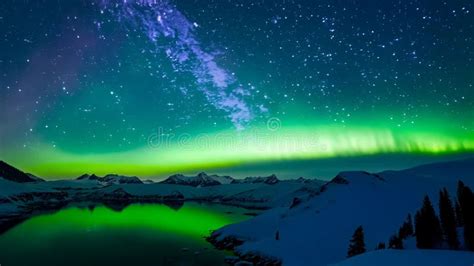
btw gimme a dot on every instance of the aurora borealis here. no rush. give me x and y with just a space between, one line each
150 234
150 88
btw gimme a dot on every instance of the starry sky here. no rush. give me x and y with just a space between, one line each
295 87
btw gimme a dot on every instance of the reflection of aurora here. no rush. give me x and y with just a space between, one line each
149 233
231 148
191 220
172 34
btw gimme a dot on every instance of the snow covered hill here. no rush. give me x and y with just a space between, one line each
317 230
393 257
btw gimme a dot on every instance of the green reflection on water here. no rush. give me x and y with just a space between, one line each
138 235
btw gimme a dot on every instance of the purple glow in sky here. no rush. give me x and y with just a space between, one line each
173 34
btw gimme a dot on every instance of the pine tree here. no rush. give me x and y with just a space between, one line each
357 244
460 190
406 229
380 245
448 219
427 227
395 242
459 218
466 202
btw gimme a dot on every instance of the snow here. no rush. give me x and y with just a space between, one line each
10 189
325 223
111 179
251 195
316 231
224 180
271 180
393 257
201 180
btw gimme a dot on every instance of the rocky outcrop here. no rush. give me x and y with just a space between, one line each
245 258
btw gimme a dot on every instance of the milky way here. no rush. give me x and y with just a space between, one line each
161 20
233 86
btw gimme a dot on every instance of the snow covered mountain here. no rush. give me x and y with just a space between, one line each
324 223
205 180
112 179
200 180
270 180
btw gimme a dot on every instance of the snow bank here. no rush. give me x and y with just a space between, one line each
392 257
317 231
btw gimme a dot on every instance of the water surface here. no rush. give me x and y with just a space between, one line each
150 234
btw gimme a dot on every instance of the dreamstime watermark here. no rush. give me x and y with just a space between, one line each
273 124
269 140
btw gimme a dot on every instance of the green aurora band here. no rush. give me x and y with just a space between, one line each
224 149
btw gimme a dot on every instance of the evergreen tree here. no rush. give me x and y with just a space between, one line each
460 190
427 227
459 218
380 245
406 229
357 244
395 242
466 202
448 219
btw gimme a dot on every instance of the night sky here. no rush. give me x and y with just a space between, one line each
154 87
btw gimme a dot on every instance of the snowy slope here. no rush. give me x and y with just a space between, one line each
14 196
224 180
324 224
251 195
392 257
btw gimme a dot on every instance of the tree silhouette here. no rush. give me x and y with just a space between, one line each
448 219
427 226
357 244
406 229
459 215
395 242
466 202
380 245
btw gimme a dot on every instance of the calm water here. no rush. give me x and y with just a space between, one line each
150 234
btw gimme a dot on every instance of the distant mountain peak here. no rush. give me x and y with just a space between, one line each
270 180
112 179
200 180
